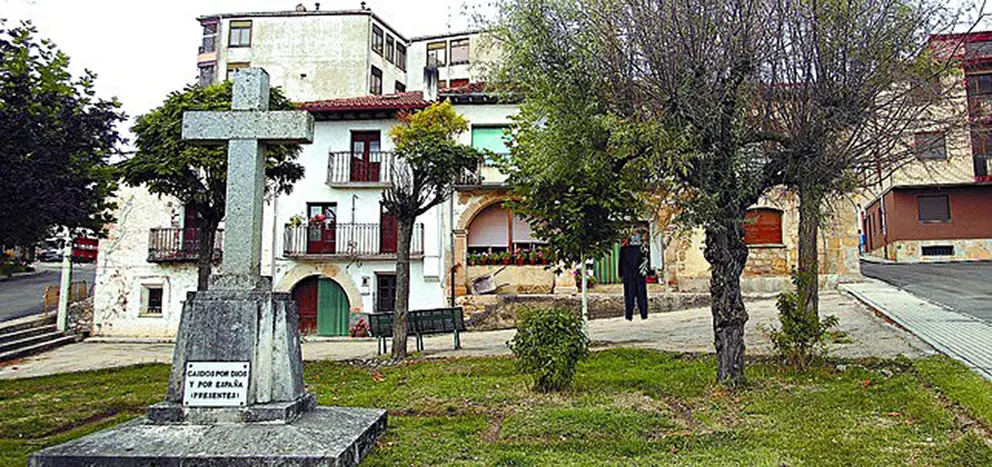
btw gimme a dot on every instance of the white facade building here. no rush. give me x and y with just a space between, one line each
339 267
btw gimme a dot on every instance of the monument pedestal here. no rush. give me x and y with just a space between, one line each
279 423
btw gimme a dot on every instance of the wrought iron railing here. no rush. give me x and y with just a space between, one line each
345 167
347 240
176 245
476 176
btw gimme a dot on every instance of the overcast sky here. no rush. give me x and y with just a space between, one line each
141 50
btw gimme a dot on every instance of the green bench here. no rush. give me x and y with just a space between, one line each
419 323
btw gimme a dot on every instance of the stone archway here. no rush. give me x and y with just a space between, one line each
331 271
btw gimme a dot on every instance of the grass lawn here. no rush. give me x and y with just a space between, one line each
628 407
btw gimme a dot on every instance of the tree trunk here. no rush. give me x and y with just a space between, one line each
404 231
727 254
205 237
585 297
808 283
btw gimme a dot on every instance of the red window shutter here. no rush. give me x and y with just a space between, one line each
763 227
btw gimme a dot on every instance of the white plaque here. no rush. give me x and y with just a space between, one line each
216 384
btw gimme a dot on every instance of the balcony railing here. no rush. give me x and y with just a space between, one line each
349 168
486 173
347 240
178 245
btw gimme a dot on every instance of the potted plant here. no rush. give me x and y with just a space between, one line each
520 257
590 279
505 258
534 257
296 220
318 219
545 255
471 259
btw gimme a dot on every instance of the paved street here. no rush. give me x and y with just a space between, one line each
676 331
22 296
963 287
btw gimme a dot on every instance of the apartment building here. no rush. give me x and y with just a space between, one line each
936 208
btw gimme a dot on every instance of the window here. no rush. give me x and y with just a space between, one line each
376 81
457 83
151 299
930 146
234 66
390 49
981 149
979 84
399 87
437 53
209 43
459 52
491 138
938 250
207 73
377 39
934 208
401 56
496 230
240 34
763 226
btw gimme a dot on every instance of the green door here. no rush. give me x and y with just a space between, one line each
332 309
605 268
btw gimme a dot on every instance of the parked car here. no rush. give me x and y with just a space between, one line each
49 255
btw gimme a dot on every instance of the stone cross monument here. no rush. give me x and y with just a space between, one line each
236 393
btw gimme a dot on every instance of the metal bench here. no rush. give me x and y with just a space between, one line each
419 324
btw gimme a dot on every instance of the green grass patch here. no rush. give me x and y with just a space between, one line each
627 407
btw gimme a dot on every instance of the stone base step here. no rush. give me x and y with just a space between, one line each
29 341
27 322
26 333
37 348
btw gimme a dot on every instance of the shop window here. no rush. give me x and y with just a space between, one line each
763 226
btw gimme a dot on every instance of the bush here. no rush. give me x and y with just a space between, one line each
801 341
548 345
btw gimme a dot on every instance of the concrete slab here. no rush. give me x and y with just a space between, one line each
327 436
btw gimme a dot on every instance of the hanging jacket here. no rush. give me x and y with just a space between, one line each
631 258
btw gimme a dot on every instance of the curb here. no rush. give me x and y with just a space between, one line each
902 324
22 275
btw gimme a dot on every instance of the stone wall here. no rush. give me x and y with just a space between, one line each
79 320
911 251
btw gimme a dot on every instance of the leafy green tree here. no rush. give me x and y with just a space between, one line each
428 162
195 174
56 138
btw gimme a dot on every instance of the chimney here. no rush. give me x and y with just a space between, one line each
364 7
431 78
316 6
300 7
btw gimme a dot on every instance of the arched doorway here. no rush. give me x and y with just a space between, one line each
322 305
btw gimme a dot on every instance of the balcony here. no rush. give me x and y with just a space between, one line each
359 241
178 245
486 174
346 169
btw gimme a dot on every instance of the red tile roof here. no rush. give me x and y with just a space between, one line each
398 101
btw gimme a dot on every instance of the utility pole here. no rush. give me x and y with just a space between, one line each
63 314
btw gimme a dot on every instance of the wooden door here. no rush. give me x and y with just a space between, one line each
189 242
332 309
365 158
322 236
387 232
305 295
385 293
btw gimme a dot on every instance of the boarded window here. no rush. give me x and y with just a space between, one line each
930 146
934 208
459 51
763 226
240 35
375 86
377 39
437 53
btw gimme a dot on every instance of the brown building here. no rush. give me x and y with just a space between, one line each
939 207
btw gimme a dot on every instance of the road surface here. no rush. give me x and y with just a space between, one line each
963 287
22 296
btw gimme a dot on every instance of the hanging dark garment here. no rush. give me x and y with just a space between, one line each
635 287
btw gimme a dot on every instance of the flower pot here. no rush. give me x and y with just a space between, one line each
533 261
651 279
506 261
520 261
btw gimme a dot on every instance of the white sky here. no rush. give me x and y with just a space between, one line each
141 50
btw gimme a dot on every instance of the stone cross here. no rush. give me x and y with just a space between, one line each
246 128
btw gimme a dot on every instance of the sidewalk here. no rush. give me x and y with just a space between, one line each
677 331
962 337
